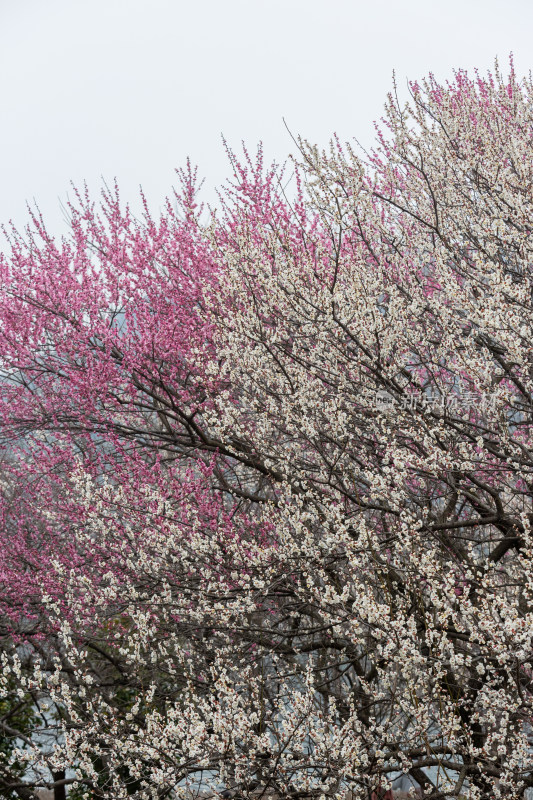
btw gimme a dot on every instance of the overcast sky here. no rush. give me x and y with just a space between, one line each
94 89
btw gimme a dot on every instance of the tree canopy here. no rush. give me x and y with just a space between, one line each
266 492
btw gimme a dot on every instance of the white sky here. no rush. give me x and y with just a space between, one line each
93 89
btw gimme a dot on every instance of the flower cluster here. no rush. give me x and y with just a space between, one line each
224 568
